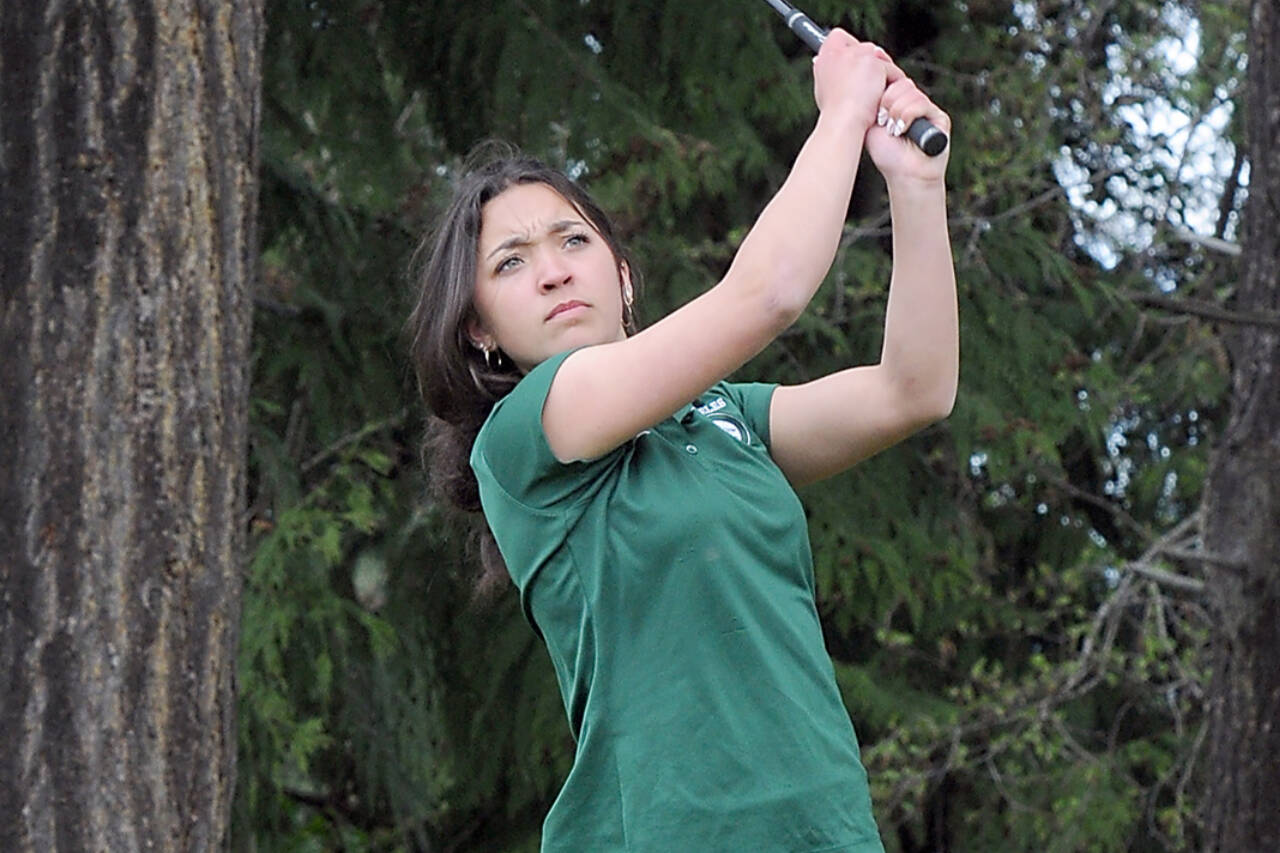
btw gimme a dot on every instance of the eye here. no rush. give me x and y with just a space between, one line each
576 239
507 264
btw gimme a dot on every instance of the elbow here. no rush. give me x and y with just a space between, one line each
781 311
942 406
928 402
939 400
786 293
926 385
772 297
927 412
942 397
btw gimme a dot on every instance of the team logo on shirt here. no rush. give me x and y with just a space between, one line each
725 421
733 427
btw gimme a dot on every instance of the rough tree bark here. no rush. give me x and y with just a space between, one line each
128 137
1242 503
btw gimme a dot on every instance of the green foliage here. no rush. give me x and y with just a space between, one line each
1015 683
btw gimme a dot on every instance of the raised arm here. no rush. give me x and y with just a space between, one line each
603 395
825 426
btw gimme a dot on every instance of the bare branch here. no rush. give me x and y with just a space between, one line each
1215 244
1166 545
276 307
1117 511
1166 578
1207 310
1228 202
1196 555
880 226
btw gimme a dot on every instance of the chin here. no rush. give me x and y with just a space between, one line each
583 336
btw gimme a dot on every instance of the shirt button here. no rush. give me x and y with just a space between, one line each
691 448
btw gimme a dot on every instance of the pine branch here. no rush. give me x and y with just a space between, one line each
353 437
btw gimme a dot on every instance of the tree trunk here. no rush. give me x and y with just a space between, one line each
1242 503
128 139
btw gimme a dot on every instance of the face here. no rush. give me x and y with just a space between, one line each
546 281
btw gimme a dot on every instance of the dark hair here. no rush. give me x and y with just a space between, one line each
457 384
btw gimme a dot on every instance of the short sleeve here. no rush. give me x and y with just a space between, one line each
753 400
512 451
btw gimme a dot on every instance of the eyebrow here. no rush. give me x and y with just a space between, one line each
557 227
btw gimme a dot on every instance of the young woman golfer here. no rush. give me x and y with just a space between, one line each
644 507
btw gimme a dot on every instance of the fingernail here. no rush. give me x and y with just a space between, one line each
899 127
882 117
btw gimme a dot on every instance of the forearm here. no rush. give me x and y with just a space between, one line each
789 250
921 352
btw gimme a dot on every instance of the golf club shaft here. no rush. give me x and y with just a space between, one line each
922 132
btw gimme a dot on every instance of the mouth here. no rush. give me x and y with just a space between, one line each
565 306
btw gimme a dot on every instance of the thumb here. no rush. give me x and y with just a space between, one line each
892 72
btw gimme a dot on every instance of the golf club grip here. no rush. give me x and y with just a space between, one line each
927 137
809 32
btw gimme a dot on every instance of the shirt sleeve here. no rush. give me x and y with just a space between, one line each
753 400
512 452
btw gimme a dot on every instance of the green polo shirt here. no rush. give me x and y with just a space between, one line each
672 582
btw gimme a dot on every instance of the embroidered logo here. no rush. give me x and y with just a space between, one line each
714 406
733 427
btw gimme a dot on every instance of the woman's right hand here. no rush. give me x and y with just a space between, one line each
850 77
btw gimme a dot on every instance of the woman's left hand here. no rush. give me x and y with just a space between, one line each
896 156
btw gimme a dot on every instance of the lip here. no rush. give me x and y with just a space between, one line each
566 306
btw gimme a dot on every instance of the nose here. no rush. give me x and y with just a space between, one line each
553 272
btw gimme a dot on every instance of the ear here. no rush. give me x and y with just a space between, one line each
628 292
478 334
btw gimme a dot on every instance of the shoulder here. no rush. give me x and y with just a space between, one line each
520 411
511 451
750 401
